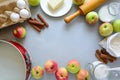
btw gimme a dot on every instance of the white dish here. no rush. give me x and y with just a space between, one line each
12 64
104 14
65 8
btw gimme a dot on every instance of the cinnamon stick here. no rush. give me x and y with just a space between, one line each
43 20
41 27
105 53
99 57
107 57
35 27
35 22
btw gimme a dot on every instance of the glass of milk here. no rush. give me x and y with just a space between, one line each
101 73
98 71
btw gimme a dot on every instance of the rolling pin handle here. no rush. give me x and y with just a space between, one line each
71 17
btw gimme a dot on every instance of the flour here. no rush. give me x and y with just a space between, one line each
115 44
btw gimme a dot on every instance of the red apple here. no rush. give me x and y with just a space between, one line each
105 29
61 74
83 75
19 32
51 66
92 17
73 66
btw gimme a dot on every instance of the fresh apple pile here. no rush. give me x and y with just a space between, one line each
62 73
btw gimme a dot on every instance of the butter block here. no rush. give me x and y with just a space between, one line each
54 4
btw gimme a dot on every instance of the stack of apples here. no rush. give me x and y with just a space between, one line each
62 73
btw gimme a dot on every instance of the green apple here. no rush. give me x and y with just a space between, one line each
105 29
34 2
78 2
92 17
37 72
116 25
73 66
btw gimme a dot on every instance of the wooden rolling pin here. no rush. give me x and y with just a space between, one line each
88 6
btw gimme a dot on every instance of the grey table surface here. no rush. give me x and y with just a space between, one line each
60 41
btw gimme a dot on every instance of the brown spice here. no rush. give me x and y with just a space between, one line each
104 56
43 20
105 53
41 27
99 57
34 26
35 22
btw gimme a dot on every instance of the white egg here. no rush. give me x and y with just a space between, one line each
24 13
21 4
14 17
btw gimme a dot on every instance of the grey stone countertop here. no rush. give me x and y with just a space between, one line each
60 41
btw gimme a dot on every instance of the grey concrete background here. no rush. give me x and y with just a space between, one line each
60 41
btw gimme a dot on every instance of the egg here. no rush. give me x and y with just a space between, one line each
14 17
24 13
21 4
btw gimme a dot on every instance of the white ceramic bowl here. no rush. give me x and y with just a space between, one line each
15 62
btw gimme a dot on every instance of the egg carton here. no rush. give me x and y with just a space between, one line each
13 11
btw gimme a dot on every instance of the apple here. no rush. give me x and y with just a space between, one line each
19 32
78 2
73 66
61 74
116 25
92 17
83 74
105 29
51 66
34 2
37 72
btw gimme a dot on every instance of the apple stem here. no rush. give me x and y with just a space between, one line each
37 72
72 65
105 26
